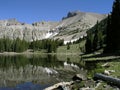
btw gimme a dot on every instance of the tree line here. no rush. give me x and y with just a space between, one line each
17 45
49 44
13 45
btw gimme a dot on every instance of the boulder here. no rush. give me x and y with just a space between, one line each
60 86
79 77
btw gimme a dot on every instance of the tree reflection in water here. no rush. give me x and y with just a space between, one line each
37 70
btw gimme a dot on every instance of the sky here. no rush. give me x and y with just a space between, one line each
30 11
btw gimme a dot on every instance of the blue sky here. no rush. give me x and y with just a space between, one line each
49 10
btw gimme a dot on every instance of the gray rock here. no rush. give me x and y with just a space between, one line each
79 77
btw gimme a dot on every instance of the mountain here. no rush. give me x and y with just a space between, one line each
75 25
70 28
13 29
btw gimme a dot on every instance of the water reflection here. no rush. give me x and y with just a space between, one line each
36 69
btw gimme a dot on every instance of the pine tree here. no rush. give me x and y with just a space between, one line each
113 29
100 39
68 46
49 48
7 43
115 25
109 39
95 40
2 48
89 42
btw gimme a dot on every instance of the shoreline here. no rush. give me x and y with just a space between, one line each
36 53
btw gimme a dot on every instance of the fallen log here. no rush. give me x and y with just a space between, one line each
109 79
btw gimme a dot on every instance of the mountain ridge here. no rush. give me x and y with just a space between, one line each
75 21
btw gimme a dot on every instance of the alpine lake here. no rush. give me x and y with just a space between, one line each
36 72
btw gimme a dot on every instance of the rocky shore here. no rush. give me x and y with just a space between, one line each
81 83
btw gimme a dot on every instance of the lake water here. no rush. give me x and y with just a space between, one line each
35 72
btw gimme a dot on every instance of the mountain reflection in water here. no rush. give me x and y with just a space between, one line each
34 72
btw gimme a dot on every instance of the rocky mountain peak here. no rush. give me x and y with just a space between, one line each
72 14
